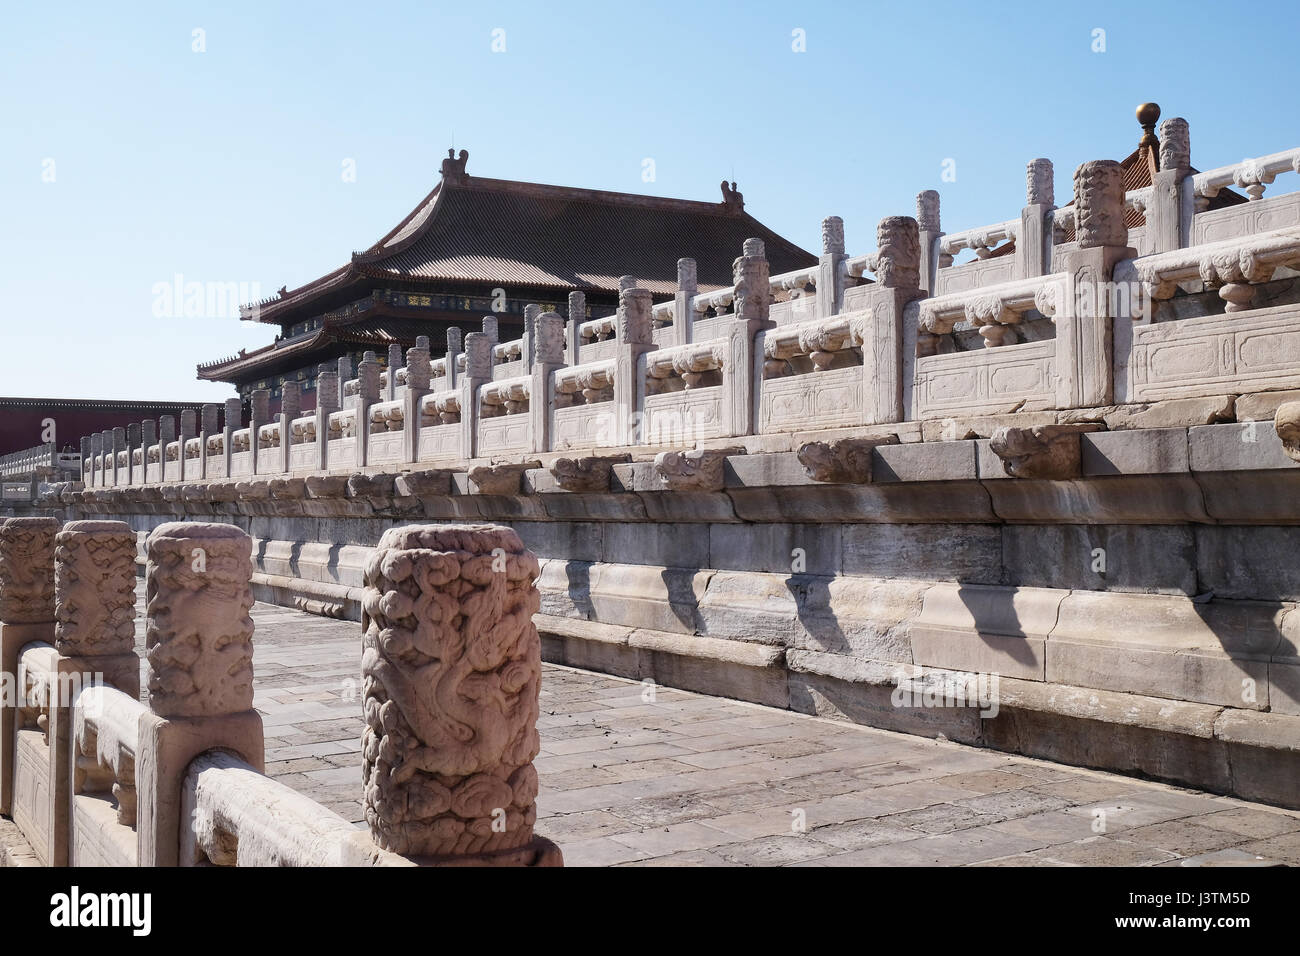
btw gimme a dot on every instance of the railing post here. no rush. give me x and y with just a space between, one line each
166 435
532 312
573 329
260 415
119 445
1164 212
200 640
148 440
930 232
345 376
478 372
96 460
328 399
208 428
548 355
449 363
1034 245
419 374
94 584
433 792
231 422
897 265
189 429
751 308
830 274
688 288
132 444
368 394
635 330
85 453
1084 361
102 445
290 408
394 363
26 616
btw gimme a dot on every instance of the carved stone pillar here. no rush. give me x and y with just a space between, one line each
328 400
1099 204
199 638
635 331
166 435
1084 357
478 372
531 314
94 586
394 363
455 345
687 289
573 328
344 372
368 393
290 408
96 459
230 423
751 308
119 446
548 355
209 426
189 429
148 440
27 616
1034 245
1164 213
419 374
830 278
929 226
133 477
451 666
897 265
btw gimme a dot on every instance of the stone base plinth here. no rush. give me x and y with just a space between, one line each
540 852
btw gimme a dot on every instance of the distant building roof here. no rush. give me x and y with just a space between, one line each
514 234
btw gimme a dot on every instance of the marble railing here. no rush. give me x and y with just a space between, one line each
93 776
1195 302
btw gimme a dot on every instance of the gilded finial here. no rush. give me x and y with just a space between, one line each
1148 114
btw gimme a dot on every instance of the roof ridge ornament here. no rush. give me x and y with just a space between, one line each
732 197
453 167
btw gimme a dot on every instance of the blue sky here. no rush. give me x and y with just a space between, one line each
227 165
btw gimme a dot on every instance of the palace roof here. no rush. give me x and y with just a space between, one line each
496 232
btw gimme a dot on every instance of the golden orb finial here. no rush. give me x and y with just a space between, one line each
1147 115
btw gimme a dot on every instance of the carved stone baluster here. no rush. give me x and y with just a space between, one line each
451 665
94 586
199 637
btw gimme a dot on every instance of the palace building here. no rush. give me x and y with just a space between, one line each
477 246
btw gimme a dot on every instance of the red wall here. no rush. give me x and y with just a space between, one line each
22 421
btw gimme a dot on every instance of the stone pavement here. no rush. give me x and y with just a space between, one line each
660 777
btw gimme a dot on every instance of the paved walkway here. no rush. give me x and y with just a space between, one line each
685 779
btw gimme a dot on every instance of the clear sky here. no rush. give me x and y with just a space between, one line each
130 156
